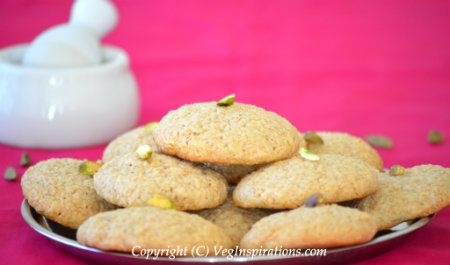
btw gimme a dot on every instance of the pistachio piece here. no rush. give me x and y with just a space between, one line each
435 137
25 159
313 200
161 201
227 101
144 151
308 155
380 141
312 138
397 170
10 174
89 168
151 125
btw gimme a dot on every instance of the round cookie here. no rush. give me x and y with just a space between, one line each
421 191
130 181
128 142
151 228
319 227
239 134
56 189
233 220
287 184
339 143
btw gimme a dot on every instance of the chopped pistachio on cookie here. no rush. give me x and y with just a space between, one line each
308 155
397 170
313 200
312 138
227 101
144 151
89 168
151 125
161 201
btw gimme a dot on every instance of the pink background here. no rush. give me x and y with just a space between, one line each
357 66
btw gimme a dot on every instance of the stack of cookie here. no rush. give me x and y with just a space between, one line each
225 174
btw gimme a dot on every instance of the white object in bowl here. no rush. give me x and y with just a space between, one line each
65 107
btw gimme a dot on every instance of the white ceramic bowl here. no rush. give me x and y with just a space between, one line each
65 107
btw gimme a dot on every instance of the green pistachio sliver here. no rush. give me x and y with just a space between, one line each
89 168
10 174
144 151
151 125
25 159
312 138
313 200
227 101
308 155
435 137
397 170
161 201
380 141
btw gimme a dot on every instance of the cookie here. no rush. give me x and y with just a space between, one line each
56 189
239 134
319 227
233 220
421 191
339 143
287 184
128 142
151 228
130 181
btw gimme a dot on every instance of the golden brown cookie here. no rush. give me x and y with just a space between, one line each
128 142
233 220
421 191
239 134
339 143
56 189
130 181
287 184
319 227
151 228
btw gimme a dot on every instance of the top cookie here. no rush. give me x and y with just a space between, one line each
239 134
128 142
345 144
56 189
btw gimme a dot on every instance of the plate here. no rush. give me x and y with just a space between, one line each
65 238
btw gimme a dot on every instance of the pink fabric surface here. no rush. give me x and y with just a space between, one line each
357 66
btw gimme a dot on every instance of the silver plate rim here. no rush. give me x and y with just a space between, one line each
29 219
